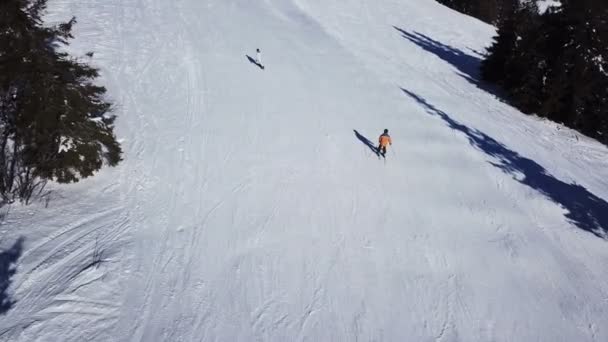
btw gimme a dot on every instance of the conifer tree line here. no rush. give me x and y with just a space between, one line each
487 10
553 64
55 124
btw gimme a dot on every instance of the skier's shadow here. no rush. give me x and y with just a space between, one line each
253 61
366 142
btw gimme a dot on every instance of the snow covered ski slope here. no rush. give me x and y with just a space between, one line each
250 206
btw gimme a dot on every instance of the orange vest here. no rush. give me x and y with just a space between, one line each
385 140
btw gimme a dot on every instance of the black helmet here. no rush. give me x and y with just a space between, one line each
386 131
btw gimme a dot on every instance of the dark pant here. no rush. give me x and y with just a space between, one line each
381 149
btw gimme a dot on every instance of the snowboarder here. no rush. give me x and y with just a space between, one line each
384 141
258 58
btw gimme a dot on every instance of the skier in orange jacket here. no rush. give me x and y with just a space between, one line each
384 141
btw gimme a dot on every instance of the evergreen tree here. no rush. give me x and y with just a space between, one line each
578 91
489 11
524 69
493 68
555 64
54 121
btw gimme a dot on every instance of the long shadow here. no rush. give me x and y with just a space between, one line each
584 209
253 61
8 258
468 65
367 142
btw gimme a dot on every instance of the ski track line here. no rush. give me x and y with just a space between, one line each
42 296
67 241
196 104
138 183
79 252
200 106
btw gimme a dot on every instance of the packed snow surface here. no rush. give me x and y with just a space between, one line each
250 205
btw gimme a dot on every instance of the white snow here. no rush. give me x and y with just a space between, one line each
246 208
544 5
66 144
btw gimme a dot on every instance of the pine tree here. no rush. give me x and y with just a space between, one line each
555 64
54 121
489 11
526 66
581 30
514 54
493 68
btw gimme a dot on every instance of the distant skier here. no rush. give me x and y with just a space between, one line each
258 58
384 141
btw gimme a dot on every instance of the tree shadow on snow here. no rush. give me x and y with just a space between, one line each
253 61
584 209
468 66
8 258
367 142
